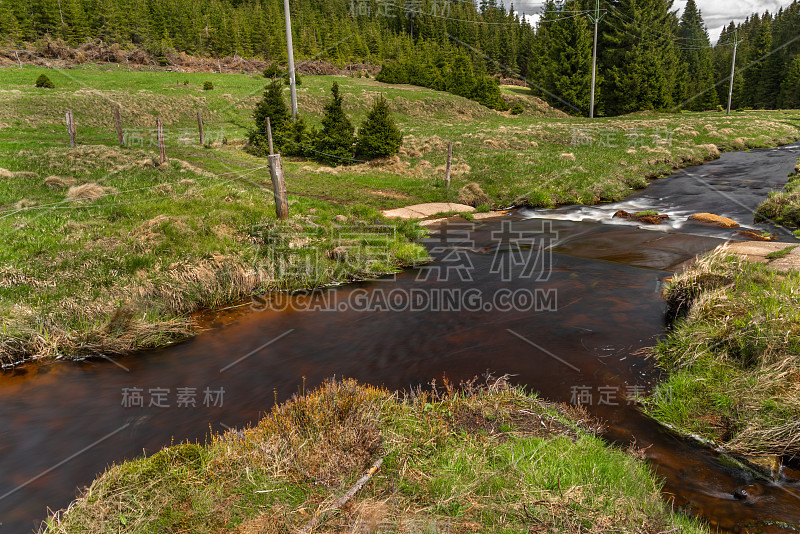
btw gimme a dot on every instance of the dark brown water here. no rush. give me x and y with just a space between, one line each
580 316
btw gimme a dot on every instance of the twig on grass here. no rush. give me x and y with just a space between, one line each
344 498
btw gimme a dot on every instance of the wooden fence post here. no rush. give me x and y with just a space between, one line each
278 186
449 164
269 136
118 123
200 127
71 128
162 149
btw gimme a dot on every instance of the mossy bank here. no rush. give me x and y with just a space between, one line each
733 356
470 459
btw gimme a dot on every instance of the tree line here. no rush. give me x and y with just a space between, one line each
649 58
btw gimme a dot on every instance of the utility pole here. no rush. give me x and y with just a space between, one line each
596 18
736 43
290 49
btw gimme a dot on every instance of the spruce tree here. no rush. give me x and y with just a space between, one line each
378 136
461 80
335 142
564 59
273 106
790 89
640 66
695 50
758 45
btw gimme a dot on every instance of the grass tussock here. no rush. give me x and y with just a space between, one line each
783 207
733 356
489 459
88 192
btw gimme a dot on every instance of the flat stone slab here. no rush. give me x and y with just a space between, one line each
758 251
716 220
422 211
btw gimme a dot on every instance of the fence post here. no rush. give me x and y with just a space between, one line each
200 127
162 149
71 128
449 164
118 123
269 136
278 186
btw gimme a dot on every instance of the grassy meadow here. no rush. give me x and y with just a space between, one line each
104 251
472 459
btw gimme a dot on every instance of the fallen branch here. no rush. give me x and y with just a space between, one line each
344 498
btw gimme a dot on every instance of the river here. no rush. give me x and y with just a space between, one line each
565 316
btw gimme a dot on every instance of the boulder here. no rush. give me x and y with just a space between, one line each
642 217
754 236
716 220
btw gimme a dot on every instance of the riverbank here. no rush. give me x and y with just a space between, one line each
488 459
733 355
783 207
106 252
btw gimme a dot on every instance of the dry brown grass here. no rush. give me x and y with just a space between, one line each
57 182
88 192
734 360
5 173
473 195
443 450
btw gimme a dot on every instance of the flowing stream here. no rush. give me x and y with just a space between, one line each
565 317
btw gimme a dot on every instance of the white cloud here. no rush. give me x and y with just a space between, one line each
719 13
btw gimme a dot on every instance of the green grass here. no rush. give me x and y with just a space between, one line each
125 271
783 207
491 459
781 253
733 357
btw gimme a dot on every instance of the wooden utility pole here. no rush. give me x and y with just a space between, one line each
269 137
736 43
71 129
449 164
118 123
278 186
290 49
162 149
596 18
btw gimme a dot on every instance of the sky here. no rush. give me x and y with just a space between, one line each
716 13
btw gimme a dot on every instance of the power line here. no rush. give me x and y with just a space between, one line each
659 35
